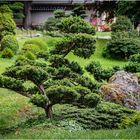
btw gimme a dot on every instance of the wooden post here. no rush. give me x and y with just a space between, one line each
27 13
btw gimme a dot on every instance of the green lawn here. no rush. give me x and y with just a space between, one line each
16 109
103 33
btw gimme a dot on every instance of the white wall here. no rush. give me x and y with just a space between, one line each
40 17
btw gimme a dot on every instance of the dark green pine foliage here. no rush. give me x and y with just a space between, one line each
131 9
79 11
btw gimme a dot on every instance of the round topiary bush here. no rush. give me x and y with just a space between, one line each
30 55
7 53
7 24
135 58
75 25
9 41
31 47
122 24
38 42
92 99
122 48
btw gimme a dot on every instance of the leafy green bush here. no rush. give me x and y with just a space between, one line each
135 58
76 67
42 54
7 53
105 115
122 48
38 99
122 24
87 82
62 94
75 25
5 9
8 25
92 99
59 13
38 42
30 55
10 42
132 67
98 72
50 24
11 83
130 121
31 47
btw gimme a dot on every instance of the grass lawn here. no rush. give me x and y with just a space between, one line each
103 33
16 109
97 56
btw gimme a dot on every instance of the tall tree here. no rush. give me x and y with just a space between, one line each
15 7
130 9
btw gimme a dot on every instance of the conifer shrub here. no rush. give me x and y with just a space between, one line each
29 55
9 41
123 23
121 46
75 25
38 42
135 58
98 72
7 23
7 53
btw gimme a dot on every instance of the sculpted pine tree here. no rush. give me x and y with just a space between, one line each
60 81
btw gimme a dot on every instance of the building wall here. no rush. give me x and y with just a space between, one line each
38 18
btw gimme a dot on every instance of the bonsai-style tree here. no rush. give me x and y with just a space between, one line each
60 81
75 25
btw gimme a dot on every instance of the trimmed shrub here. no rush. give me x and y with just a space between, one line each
42 54
59 13
5 9
75 25
50 24
7 53
10 42
30 55
98 72
122 24
8 25
31 47
38 42
122 47
76 67
132 67
105 115
135 58
92 99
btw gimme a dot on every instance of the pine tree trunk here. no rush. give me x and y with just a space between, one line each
49 111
